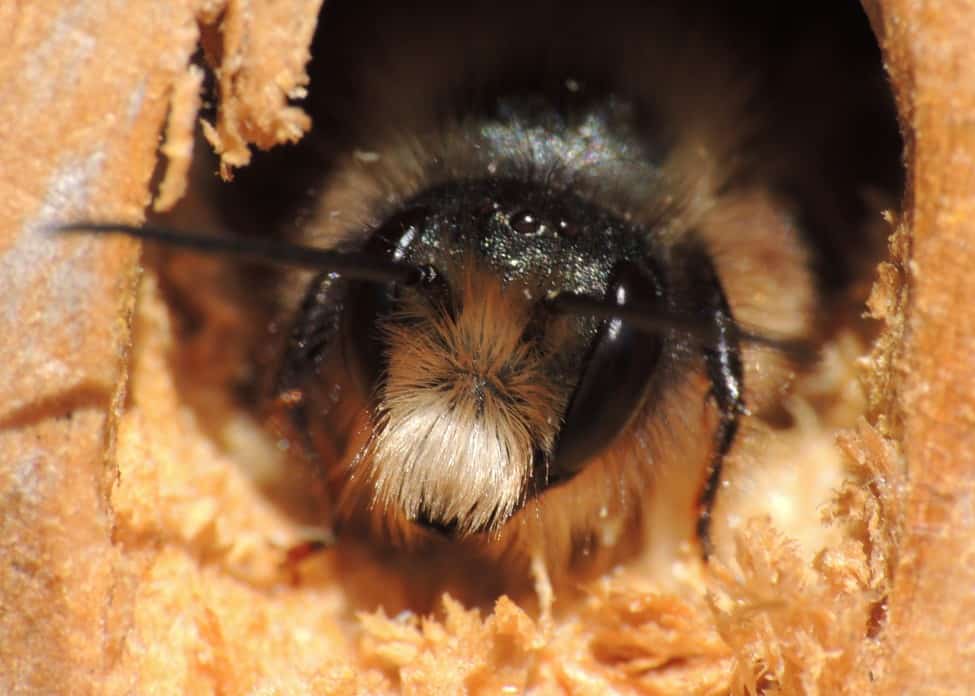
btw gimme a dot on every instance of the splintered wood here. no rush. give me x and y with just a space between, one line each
87 89
133 554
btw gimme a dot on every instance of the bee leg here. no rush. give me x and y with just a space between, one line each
313 335
315 327
724 367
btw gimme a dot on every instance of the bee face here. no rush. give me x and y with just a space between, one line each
471 377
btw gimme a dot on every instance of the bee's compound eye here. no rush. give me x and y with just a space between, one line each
364 347
615 375
368 303
392 241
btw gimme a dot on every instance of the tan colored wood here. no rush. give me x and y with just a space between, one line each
930 54
86 89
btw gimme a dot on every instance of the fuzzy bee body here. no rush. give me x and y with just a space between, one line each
519 175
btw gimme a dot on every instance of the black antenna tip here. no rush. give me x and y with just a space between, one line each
657 322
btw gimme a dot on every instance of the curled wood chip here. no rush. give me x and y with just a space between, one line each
178 147
264 50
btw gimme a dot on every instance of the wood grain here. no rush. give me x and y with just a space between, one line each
927 644
86 90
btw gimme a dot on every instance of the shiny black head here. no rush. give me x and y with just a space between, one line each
539 244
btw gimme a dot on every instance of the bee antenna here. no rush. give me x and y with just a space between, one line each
660 321
353 265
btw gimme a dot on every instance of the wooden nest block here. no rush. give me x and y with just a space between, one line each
137 556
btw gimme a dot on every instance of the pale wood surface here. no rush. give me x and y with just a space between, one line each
87 86
86 89
927 646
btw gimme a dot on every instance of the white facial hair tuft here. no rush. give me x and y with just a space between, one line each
464 406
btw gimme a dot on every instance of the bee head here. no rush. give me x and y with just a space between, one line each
483 394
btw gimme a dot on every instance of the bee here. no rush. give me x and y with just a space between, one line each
545 272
